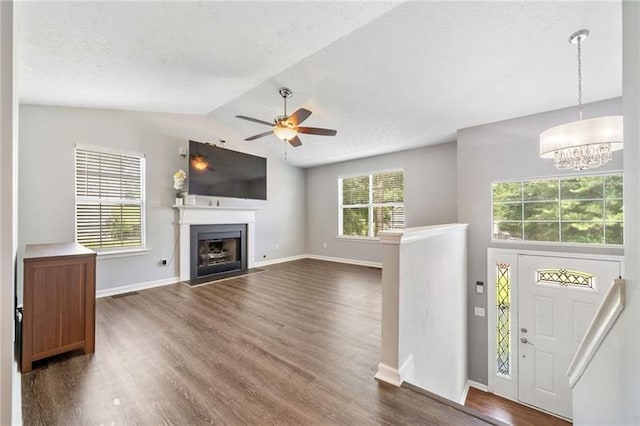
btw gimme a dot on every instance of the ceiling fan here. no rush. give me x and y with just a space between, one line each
287 127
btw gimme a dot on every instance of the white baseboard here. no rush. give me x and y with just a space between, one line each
465 392
388 375
151 284
472 384
477 385
318 257
408 370
395 377
135 287
345 260
278 260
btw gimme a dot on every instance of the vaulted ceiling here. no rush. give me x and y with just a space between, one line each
387 75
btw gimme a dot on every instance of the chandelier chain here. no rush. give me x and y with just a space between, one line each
580 77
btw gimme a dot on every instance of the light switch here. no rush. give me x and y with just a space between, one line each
479 287
478 311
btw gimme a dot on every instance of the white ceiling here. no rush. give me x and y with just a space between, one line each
387 76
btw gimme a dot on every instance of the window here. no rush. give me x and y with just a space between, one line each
503 330
371 203
109 199
573 209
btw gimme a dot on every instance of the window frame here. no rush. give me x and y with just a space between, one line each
114 251
370 205
554 243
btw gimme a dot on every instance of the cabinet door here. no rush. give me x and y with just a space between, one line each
58 306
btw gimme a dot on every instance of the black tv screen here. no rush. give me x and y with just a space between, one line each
220 172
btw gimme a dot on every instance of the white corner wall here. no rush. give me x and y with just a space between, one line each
424 299
609 390
9 378
48 136
433 315
429 196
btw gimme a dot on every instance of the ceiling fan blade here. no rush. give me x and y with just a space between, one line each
317 131
295 141
260 135
255 120
299 116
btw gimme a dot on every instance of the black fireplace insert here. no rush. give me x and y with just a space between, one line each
217 249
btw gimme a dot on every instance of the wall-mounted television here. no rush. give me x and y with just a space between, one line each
220 172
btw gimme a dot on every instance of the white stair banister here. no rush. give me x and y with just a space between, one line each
605 317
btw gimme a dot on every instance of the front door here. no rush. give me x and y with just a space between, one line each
557 299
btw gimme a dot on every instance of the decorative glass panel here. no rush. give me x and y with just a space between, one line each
565 277
503 304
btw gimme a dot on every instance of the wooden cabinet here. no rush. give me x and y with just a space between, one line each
59 301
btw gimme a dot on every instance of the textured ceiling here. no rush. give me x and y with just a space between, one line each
183 57
387 76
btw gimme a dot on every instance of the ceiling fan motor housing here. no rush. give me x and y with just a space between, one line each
285 92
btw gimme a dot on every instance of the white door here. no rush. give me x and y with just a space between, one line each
557 299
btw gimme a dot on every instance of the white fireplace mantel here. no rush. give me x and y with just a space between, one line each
211 215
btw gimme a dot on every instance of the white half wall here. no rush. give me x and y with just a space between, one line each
429 197
47 140
424 299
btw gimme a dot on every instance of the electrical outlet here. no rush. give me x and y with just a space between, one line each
163 262
324 245
478 311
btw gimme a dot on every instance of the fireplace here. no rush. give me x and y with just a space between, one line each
217 249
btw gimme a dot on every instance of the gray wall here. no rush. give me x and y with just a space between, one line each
46 183
429 195
609 392
505 150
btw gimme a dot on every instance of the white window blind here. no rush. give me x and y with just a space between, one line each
109 199
371 203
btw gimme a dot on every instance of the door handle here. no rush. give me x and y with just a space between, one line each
524 340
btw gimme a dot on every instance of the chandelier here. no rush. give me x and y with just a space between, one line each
582 144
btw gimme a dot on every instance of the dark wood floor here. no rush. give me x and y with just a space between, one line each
297 344
508 411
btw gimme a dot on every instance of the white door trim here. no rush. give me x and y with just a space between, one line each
508 387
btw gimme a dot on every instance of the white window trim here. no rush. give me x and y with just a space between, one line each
112 252
551 243
370 205
125 252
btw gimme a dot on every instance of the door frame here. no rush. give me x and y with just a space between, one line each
507 387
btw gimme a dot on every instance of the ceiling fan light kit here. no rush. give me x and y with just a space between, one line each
286 127
582 144
285 132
